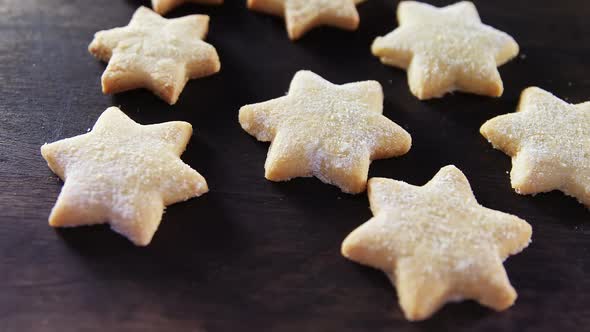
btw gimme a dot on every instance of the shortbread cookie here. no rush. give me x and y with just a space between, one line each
304 15
549 142
122 173
163 6
155 53
325 130
437 244
446 49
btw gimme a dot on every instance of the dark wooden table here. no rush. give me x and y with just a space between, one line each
253 255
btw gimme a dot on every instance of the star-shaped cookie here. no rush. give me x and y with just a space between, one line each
155 53
304 15
437 244
325 130
163 6
446 49
549 142
122 173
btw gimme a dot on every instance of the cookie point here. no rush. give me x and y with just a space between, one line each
201 187
531 90
413 316
186 126
113 109
44 150
142 242
293 36
375 47
57 217
484 128
505 300
415 312
272 174
93 47
204 190
406 142
171 101
346 250
350 245
245 117
355 23
487 131
216 65
497 90
107 88
375 181
354 189
143 9
420 94
451 168
53 223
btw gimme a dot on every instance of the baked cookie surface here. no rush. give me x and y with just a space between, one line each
446 49
122 173
437 244
304 15
163 6
325 130
155 53
549 142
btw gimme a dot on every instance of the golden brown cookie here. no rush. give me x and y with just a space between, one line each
304 15
122 173
549 142
437 244
325 130
163 6
446 49
155 53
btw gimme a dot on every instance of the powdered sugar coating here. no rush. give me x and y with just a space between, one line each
155 53
437 243
549 141
325 130
122 173
163 6
303 15
446 49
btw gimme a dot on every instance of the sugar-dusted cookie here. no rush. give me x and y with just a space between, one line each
163 6
446 49
122 173
155 53
304 15
325 130
437 244
549 141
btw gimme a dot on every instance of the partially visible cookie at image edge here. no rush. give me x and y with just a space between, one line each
304 15
549 142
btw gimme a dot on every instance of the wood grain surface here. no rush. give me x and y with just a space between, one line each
254 255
